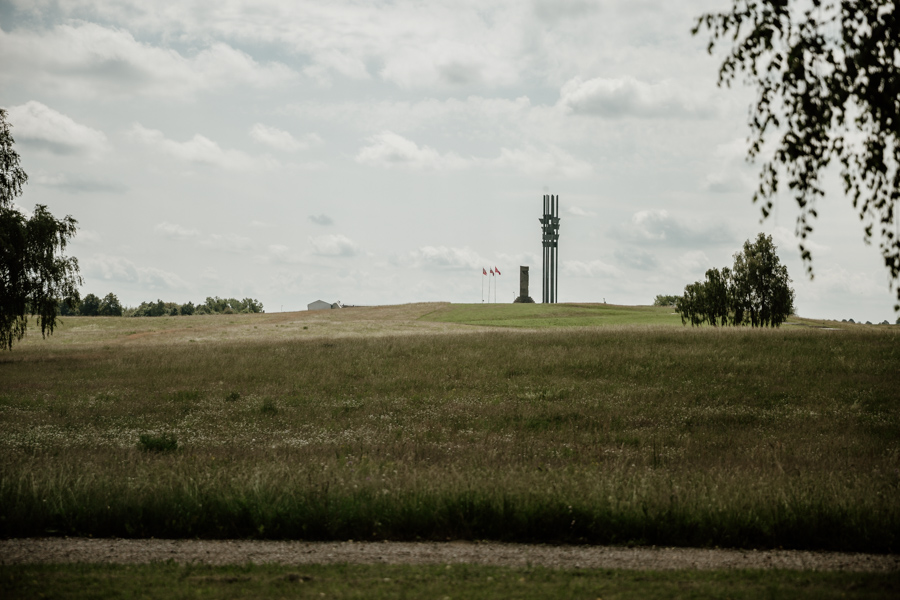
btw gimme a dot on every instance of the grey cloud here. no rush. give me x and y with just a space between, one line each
551 11
659 228
441 257
41 127
322 219
637 259
456 73
627 96
117 268
79 184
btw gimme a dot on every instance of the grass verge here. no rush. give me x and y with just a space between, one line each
449 581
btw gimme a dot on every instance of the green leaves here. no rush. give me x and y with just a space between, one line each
34 275
755 291
828 84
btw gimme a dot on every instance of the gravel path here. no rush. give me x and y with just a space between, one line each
222 552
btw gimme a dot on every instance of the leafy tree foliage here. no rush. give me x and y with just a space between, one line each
755 291
34 274
110 306
827 76
214 305
665 300
90 306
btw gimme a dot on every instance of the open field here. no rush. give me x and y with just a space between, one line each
429 422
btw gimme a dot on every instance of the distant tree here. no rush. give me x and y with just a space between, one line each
663 300
251 305
716 305
34 274
90 306
110 307
764 286
755 291
187 308
691 304
827 78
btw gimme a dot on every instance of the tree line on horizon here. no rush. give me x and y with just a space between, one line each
109 306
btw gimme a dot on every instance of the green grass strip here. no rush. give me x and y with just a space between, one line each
172 581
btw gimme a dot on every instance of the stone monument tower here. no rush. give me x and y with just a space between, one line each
523 286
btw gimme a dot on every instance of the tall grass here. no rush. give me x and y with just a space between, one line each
615 435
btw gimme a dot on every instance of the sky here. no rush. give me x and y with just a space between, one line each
386 152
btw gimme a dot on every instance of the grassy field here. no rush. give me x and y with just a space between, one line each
539 316
168 581
431 422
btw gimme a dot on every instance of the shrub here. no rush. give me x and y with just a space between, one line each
268 407
233 397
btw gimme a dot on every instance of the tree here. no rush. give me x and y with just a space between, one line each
90 306
827 77
762 284
34 274
755 291
665 300
110 306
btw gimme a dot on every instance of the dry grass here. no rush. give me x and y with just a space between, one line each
373 423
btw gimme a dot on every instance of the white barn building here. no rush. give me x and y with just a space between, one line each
318 305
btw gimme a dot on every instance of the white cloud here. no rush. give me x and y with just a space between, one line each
283 254
38 125
580 212
732 172
117 268
175 232
201 150
228 242
282 140
442 257
333 245
389 150
694 261
660 228
593 268
787 241
553 161
89 60
627 96
88 236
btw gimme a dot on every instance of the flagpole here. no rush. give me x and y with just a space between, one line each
482 286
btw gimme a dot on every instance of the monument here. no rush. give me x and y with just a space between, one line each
550 230
523 298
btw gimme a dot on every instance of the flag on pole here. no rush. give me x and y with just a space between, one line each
492 271
483 271
498 270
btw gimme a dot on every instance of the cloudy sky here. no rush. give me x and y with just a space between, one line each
384 152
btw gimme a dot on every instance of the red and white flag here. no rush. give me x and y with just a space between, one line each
483 271
492 271
497 270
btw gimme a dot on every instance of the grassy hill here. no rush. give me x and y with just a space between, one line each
553 315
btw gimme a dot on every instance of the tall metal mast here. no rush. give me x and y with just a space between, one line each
550 229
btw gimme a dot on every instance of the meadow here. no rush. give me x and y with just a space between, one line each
558 424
